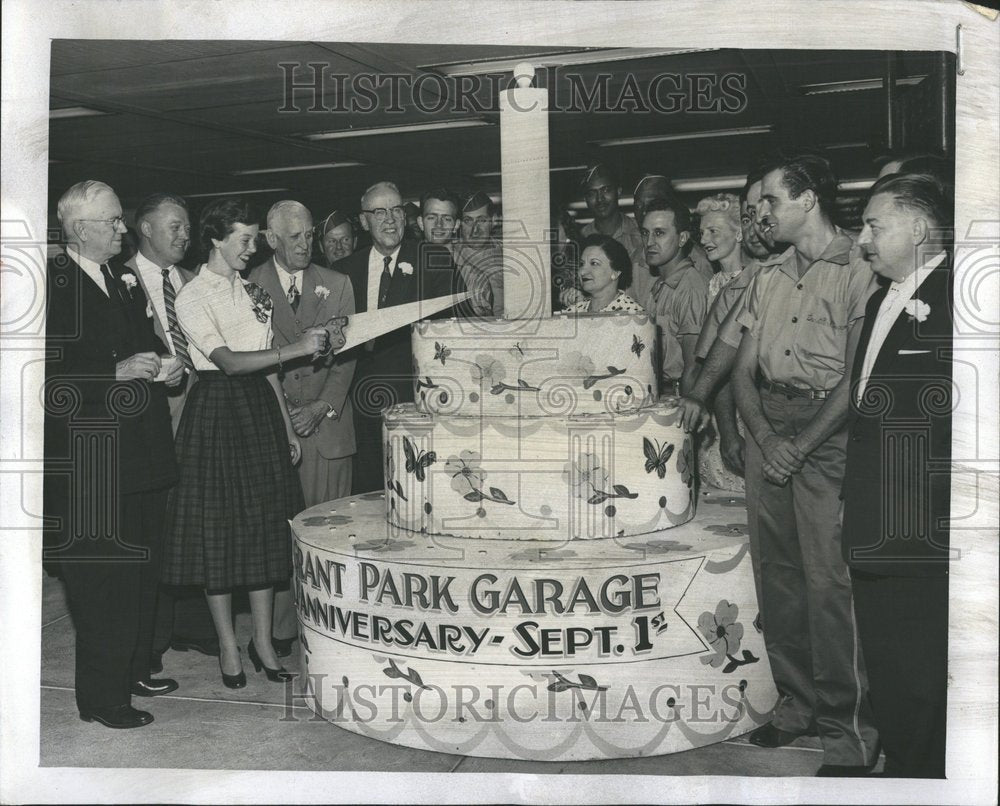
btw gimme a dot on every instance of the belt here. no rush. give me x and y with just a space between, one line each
793 391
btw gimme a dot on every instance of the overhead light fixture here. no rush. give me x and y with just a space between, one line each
667 138
570 58
404 128
857 85
856 184
233 193
836 146
318 166
487 174
75 112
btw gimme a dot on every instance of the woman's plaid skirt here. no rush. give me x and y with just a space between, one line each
227 518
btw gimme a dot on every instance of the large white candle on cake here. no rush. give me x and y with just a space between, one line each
524 158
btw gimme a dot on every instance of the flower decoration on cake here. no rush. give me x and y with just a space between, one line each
588 480
685 463
488 370
579 364
722 631
465 472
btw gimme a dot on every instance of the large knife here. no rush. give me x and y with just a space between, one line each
362 327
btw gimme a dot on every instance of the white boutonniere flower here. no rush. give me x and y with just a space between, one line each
917 309
406 268
322 291
130 282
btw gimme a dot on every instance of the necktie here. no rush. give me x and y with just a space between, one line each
111 284
176 334
383 283
293 296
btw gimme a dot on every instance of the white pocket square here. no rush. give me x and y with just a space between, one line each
913 352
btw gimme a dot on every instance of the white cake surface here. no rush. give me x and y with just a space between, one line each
582 364
580 476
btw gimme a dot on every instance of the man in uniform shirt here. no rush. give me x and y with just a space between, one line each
479 258
601 190
678 299
803 319
659 187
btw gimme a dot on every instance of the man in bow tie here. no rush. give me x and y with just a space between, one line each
392 271
109 456
897 485
306 295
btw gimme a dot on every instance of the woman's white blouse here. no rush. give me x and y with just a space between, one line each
215 311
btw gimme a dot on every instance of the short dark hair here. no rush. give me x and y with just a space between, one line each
616 253
940 168
682 217
441 194
218 218
806 170
921 193
153 201
753 178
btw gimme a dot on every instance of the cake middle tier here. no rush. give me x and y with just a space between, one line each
538 478
579 364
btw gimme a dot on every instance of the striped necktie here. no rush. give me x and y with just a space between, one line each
176 334
293 296
383 282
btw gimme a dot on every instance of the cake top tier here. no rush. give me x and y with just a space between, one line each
566 364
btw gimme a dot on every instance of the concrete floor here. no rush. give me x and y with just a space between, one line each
204 725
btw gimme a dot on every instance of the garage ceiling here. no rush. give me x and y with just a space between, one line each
194 117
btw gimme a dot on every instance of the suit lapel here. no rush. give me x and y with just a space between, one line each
159 326
906 328
359 278
874 303
309 302
403 287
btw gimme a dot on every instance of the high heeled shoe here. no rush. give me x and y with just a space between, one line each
279 675
233 680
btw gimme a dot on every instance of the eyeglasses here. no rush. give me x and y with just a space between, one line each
382 213
117 221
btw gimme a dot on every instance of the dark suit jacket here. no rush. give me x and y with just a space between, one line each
384 373
178 394
896 488
103 437
326 379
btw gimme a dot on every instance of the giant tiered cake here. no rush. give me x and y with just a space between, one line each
537 430
533 582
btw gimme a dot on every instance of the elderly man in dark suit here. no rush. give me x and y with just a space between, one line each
896 490
306 295
163 229
393 271
109 453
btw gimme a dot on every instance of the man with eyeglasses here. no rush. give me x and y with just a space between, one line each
478 257
109 454
392 271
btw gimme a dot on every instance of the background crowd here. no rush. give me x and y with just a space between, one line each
788 340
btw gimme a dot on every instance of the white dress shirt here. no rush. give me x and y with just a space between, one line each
216 311
376 263
90 268
152 279
892 306
285 278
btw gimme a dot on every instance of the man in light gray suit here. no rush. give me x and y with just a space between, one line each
306 295
164 233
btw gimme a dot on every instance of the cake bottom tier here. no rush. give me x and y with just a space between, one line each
565 650
539 478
